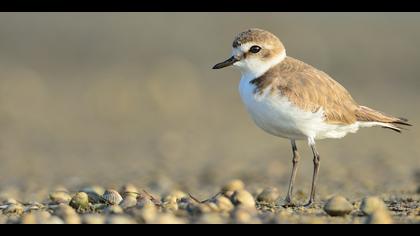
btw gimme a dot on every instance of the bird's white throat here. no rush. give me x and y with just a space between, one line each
254 67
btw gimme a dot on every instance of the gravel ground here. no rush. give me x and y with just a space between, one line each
234 203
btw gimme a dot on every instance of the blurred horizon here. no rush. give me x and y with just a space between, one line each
110 98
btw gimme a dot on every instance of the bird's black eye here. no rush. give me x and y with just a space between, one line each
255 49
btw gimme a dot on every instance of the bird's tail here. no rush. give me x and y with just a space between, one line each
366 114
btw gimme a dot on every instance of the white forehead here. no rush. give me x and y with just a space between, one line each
243 48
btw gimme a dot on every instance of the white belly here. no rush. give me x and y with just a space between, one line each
276 115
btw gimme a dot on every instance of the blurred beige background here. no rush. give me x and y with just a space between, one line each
110 98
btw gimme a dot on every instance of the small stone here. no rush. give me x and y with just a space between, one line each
371 204
178 195
211 218
14 209
129 201
170 204
243 215
269 195
166 218
338 206
35 217
93 219
67 214
95 194
145 202
120 219
224 204
379 217
113 209
58 197
112 197
129 190
243 198
80 201
232 186
10 201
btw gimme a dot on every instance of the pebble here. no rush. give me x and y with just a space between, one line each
129 190
243 198
80 201
211 218
269 195
129 201
379 217
232 186
67 214
167 218
58 197
371 204
120 219
14 209
38 217
113 209
93 219
338 206
223 204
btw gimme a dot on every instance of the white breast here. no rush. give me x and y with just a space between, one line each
276 115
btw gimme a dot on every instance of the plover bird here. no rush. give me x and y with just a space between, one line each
291 99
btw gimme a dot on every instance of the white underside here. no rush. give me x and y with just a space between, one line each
278 116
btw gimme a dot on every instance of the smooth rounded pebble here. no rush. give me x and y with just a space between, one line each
243 198
120 219
58 197
269 195
379 217
371 204
80 201
129 189
232 186
338 206
129 201
93 219
223 204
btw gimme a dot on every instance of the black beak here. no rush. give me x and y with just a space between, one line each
226 63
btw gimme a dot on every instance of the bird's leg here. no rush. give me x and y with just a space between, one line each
317 161
295 160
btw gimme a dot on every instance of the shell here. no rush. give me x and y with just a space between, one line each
112 197
80 201
338 206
